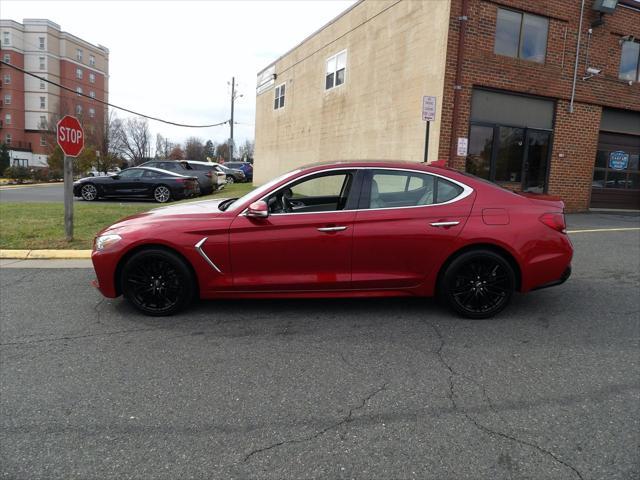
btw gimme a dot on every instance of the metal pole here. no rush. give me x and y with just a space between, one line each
68 197
575 67
233 98
426 143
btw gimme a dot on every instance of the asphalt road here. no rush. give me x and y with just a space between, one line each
386 389
47 193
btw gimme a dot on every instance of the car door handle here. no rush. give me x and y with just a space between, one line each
444 224
331 229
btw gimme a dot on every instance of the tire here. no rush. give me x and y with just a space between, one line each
89 192
162 194
230 179
157 282
478 284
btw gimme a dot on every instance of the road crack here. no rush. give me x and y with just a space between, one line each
452 398
348 418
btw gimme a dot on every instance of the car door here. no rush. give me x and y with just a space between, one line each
405 221
296 248
128 182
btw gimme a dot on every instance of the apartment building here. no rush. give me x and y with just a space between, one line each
29 107
536 96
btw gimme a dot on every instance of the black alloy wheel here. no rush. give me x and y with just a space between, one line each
157 282
89 192
162 194
478 284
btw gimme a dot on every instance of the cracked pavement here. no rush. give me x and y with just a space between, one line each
385 388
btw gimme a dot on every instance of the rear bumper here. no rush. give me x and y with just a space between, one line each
565 276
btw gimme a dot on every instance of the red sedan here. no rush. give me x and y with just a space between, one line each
366 229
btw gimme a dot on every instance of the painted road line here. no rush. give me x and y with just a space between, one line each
625 229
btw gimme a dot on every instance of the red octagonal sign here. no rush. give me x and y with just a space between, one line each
70 136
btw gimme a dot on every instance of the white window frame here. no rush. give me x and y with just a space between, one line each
92 94
92 112
7 139
41 43
7 57
335 70
79 73
7 119
278 95
43 103
43 141
43 121
79 54
78 109
6 39
92 60
43 63
79 91
7 79
42 85
92 77
7 99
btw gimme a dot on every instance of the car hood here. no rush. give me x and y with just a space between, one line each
182 211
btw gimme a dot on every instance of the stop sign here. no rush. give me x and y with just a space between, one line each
70 136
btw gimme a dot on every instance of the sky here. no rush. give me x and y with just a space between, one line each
173 59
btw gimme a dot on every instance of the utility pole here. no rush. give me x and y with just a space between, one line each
233 99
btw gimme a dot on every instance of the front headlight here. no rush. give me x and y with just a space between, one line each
103 241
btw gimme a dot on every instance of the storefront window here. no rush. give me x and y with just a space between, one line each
509 158
480 149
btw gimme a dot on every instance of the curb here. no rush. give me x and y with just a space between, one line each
45 254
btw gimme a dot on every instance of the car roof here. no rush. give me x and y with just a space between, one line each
157 170
198 162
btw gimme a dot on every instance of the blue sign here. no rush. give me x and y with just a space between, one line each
618 160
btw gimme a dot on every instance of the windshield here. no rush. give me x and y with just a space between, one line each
258 192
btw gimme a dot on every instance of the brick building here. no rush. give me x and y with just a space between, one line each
540 96
29 107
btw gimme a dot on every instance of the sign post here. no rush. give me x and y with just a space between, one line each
70 138
428 115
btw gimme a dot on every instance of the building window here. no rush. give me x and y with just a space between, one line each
43 122
7 99
79 73
521 35
43 102
7 79
43 64
43 141
92 112
79 54
6 58
92 77
41 43
92 60
630 62
79 90
336 69
6 38
92 94
78 109
510 139
42 86
7 139
7 119
20 162
278 101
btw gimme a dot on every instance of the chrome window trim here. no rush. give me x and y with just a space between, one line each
466 191
198 247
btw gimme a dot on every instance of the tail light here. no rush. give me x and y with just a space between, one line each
209 174
554 221
181 180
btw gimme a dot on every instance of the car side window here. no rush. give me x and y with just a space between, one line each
447 190
392 189
149 174
131 173
321 193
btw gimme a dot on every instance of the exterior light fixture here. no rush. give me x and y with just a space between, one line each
605 6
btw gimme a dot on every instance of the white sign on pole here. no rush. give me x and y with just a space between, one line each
463 145
428 108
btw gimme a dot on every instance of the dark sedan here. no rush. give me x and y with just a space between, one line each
138 182
234 175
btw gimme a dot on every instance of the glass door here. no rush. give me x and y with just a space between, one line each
536 160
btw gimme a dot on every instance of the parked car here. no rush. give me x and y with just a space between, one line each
97 173
182 167
362 229
246 167
211 170
138 182
233 174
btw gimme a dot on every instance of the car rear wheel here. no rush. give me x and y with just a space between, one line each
157 282
230 179
162 194
478 284
89 192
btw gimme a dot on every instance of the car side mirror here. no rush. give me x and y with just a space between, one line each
115 177
258 209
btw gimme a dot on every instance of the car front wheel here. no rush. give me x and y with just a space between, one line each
230 179
89 192
157 282
478 284
162 194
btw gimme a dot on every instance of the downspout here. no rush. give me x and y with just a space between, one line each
575 67
463 18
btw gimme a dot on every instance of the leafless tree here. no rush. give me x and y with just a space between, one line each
163 147
246 150
194 149
133 139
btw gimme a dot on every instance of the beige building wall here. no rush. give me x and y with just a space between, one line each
395 55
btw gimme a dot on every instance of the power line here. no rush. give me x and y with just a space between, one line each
42 79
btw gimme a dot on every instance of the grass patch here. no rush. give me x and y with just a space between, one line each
32 226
